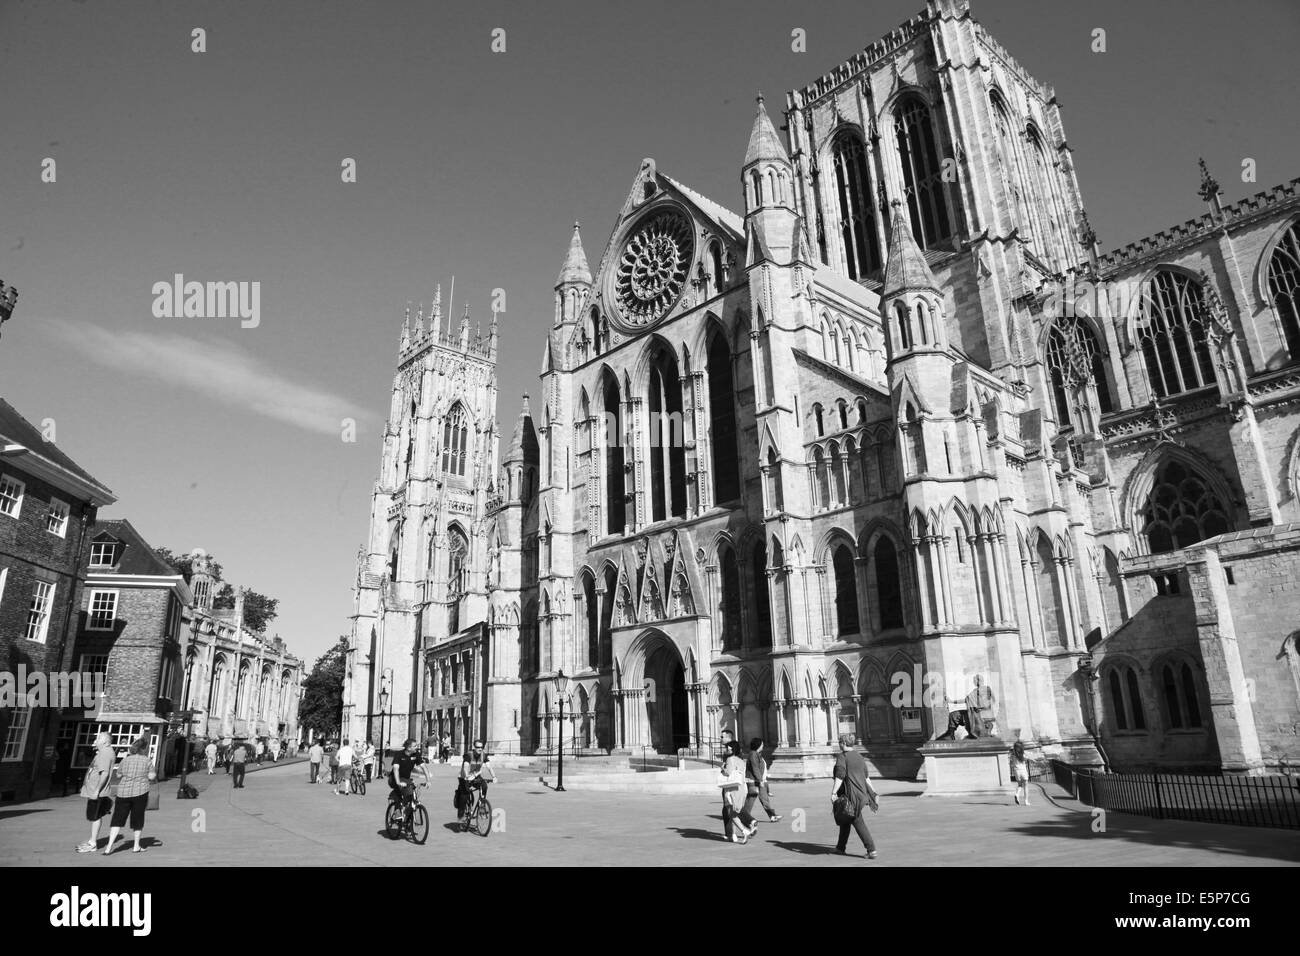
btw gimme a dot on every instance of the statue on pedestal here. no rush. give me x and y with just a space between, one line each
974 716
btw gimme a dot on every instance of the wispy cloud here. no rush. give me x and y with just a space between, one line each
213 368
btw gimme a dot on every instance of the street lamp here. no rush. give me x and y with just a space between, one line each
383 730
561 684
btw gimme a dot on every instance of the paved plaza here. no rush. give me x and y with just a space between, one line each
281 820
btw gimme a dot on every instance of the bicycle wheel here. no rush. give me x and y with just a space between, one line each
483 818
393 821
419 824
361 785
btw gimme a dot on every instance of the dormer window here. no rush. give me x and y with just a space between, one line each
103 554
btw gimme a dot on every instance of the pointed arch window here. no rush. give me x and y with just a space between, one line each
923 183
1125 700
455 436
615 495
846 592
1182 509
716 274
889 584
1073 358
1178 689
457 576
762 602
722 421
854 194
730 571
592 609
1049 229
1284 286
667 445
1008 159
1173 333
597 345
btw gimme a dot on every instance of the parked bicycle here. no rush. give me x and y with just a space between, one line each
407 818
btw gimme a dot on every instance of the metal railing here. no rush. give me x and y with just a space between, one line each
1265 801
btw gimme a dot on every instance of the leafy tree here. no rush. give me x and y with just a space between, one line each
321 708
184 564
259 610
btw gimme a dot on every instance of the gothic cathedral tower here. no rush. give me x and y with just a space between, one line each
422 574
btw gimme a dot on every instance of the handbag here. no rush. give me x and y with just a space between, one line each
155 796
843 810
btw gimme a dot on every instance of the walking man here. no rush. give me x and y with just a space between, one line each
851 795
368 760
239 758
314 756
756 782
210 752
342 779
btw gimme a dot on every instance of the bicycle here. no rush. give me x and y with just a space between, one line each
479 817
357 781
407 817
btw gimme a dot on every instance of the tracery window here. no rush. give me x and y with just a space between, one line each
922 173
1072 358
1284 286
854 195
455 433
1125 700
1173 333
1182 709
846 592
1181 509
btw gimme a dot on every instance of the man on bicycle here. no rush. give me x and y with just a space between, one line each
474 775
404 764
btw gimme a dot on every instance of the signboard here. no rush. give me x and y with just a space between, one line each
911 721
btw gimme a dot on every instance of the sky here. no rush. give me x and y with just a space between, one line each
226 166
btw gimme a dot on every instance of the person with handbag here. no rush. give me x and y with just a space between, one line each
756 782
737 824
135 775
851 795
95 789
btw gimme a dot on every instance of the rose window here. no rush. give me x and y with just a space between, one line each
652 270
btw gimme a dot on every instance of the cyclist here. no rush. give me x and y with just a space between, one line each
404 764
475 771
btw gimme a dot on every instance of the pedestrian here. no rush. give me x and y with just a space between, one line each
135 774
239 758
851 795
62 768
259 750
334 764
446 747
343 777
95 789
737 825
756 784
1020 771
368 760
314 756
210 751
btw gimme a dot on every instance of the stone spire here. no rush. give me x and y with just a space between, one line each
906 270
1210 190
516 450
464 327
764 143
406 329
575 268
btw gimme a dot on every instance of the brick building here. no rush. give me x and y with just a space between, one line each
897 423
129 630
48 504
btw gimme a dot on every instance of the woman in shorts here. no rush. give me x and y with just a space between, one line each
135 774
95 789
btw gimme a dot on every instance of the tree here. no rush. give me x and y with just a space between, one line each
321 708
259 610
184 563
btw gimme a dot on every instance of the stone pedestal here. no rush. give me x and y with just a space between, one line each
970 767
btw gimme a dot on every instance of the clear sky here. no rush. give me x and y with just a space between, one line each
225 165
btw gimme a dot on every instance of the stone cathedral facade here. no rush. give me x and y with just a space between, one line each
893 425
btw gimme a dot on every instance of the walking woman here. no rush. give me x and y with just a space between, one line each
135 774
732 781
95 789
1020 771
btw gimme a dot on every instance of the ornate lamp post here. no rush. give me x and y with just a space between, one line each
561 684
383 728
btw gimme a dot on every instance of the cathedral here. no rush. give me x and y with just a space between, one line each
892 429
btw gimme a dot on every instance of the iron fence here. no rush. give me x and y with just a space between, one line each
1264 801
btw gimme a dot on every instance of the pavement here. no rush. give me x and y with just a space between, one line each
279 819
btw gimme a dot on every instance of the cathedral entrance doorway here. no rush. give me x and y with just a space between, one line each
658 717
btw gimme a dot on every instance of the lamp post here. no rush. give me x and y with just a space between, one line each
383 728
561 684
